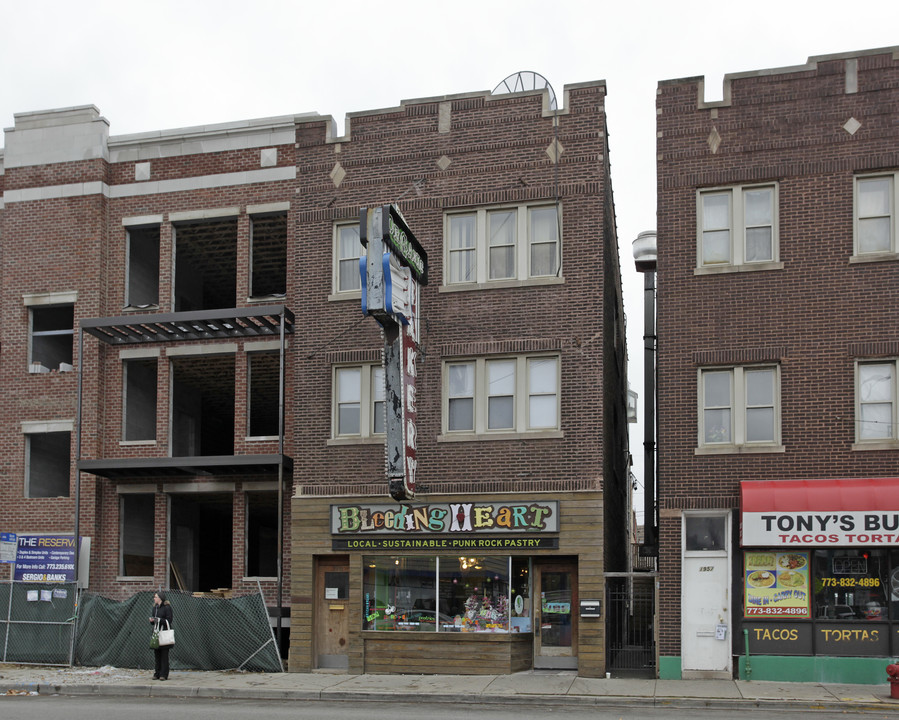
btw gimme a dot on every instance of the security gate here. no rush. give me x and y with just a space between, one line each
630 631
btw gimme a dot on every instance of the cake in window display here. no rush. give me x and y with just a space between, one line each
483 614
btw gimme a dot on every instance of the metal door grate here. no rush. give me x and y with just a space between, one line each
630 632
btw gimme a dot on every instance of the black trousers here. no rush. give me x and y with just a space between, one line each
162 661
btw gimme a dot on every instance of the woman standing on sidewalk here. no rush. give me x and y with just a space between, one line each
162 611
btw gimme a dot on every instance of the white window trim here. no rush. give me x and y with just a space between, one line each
739 445
522 276
336 292
366 407
124 360
520 401
878 443
893 252
737 232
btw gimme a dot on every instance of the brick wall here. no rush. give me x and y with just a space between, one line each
814 317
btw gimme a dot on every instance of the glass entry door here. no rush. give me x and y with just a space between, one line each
555 634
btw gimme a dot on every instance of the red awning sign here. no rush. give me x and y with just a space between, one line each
837 513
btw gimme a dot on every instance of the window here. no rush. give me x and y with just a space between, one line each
851 584
47 463
875 215
446 594
52 333
359 408
268 259
876 402
205 276
262 534
504 244
738 226
142 283
139 403
496 395
136 534
739 407
704 533
263 403
347 251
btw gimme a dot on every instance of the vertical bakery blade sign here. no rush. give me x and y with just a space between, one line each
393 269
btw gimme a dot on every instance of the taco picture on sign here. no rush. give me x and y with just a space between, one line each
791 561
761 578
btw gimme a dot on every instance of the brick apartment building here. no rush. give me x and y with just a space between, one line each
194 296
778 343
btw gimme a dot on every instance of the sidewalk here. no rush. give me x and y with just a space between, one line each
554 688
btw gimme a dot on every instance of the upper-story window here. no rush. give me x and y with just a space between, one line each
268 254
484 396
139 399
490 245
205 260
48 458
359 409
877 402
52 335
875 215
737 227
347 251
739 408
142 281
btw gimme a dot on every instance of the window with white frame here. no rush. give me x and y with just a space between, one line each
876 401
737 226
875 214
489 245
739 406
501 395
359 409
347 251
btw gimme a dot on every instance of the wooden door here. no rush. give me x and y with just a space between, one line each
556 628
332 581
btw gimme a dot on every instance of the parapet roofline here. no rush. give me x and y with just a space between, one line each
810 65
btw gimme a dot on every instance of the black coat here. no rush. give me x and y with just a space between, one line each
163 612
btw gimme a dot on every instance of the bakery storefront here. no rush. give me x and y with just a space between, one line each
476 585
819 583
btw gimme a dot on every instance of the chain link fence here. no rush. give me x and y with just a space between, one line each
37 622
211 633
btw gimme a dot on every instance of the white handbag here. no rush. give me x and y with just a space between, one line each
167 636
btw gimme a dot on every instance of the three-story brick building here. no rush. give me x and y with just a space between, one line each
778 283
182 325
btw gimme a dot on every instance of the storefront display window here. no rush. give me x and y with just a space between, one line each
447 594
474 592
850 584
520 608
398 593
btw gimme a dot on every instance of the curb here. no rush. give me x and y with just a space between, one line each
232 693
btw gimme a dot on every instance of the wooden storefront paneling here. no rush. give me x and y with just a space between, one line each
580 538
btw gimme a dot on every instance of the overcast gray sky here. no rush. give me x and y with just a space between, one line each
164 64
